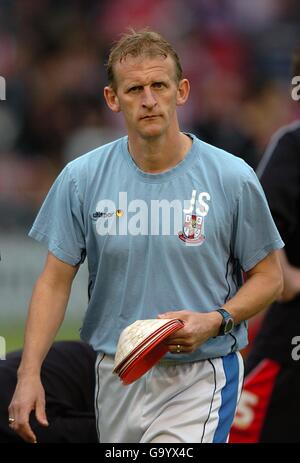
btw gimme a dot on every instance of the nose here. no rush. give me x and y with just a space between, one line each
148 100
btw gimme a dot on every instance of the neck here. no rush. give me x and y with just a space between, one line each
159 154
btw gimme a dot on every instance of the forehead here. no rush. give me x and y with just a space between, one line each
142 68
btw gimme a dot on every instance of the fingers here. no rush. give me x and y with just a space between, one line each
40 413
18 420
19 423
179 346
29 395
24 430
174 341
179 349
186 339
174 314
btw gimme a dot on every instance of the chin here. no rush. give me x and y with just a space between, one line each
152 132
152 135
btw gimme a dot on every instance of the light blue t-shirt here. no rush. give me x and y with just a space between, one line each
176 240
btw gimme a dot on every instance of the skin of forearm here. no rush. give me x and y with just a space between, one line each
46 313
257 293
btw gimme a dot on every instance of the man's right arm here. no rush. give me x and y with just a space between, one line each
46 313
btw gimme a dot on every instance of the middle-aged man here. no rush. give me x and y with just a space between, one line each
167 223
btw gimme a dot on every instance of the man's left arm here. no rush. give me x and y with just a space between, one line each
263 285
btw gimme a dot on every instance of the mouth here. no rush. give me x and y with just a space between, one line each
150 117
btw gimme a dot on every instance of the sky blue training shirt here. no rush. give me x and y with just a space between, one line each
176 240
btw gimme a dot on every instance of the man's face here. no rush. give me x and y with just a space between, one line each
147 93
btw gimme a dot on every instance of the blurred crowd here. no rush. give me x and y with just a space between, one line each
52 53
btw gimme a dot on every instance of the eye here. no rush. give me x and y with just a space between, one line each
136 89
158 85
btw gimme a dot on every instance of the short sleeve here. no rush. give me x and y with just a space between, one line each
59 223
254 232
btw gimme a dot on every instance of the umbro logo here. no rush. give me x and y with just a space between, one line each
106 215
97 215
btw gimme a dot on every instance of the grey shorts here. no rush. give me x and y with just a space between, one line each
183 403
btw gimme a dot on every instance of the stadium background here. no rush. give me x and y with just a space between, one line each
237 54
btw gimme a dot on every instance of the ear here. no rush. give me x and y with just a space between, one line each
182 92
111 99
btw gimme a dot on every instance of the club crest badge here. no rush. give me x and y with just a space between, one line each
193 230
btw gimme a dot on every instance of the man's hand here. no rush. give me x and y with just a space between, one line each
46 312
198 328
29 395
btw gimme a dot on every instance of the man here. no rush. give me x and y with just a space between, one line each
270 403
166 222
68 377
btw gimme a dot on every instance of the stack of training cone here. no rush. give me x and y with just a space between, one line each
141 345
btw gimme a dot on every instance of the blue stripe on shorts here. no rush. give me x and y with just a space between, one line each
229 396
